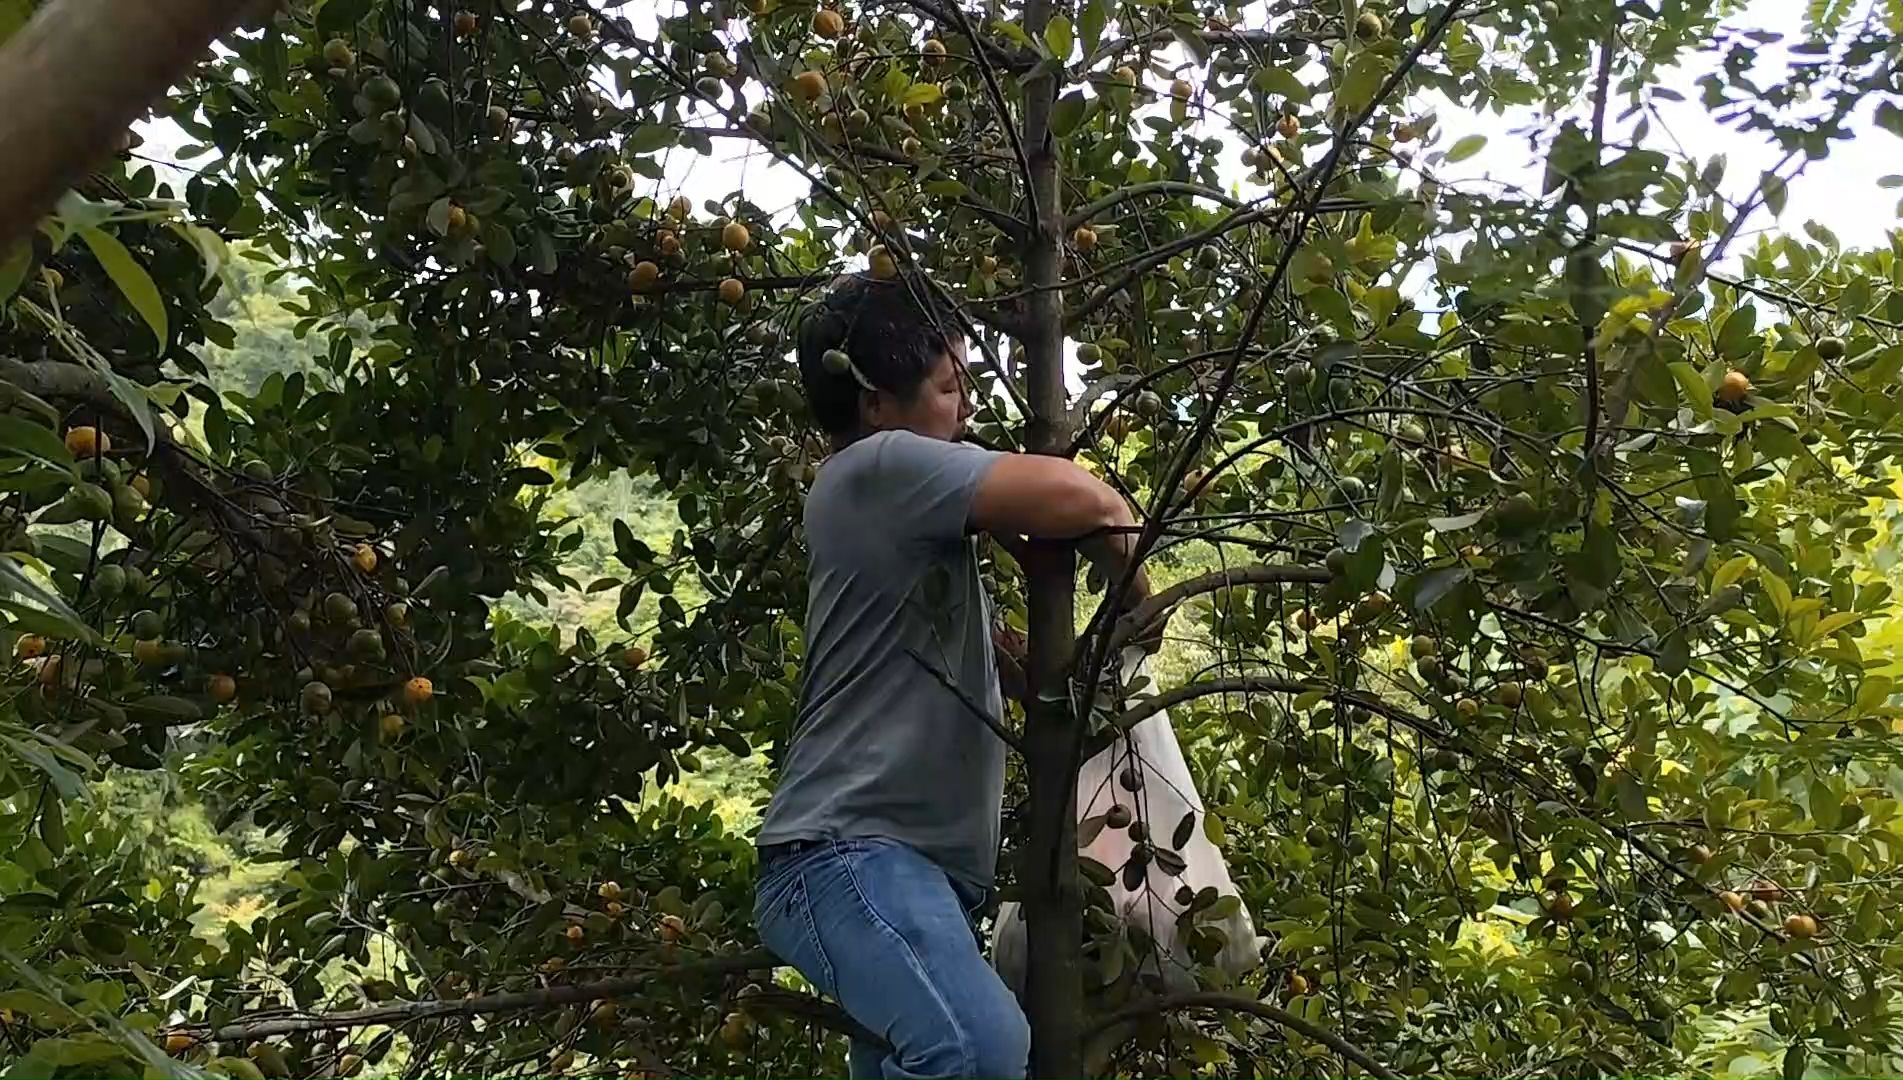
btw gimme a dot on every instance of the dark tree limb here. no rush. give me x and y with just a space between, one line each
1190 691
77 76
1149 611
484 1005
1155 187
1237 1003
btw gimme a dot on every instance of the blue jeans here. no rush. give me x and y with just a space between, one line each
886 933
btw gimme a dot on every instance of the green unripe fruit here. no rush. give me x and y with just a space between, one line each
315 698
382 91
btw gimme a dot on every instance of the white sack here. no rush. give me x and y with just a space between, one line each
1167 793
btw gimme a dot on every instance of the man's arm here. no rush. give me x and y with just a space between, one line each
1051 498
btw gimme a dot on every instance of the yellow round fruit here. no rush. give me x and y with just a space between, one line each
1125 76
417 691
1181 89
673 928
176 1044
828 23
1800 926
933 50
735 237
1370 26
221 688
609 890
457 219
85 442
634 656
575 934
1732 900
1289 126
581 26
1298 983
141 484
462 858
881 263
148 651
29 647
667 244
391 725
1084 239
732 291
613 908
808 85
643 277
1734 387
364 558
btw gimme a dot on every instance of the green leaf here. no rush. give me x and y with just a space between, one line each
15 583
923 93
1772 187
1430 587
1796 1060
1271 79
1824 804
1058 37
1466 148
1890 118
1361 82
1734 337
34 441
1068 113
1694 389
1090 23
133 281
13 271
68 783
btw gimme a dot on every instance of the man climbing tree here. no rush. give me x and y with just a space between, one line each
880 845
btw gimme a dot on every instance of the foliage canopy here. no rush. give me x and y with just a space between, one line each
1533 653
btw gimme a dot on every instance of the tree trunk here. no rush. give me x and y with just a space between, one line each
76 77
1053 902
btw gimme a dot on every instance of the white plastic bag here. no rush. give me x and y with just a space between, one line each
1164 797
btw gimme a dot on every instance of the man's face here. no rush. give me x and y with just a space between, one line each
937 410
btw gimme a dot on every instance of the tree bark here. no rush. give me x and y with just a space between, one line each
1053 898
79 74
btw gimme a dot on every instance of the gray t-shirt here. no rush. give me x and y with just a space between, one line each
881 748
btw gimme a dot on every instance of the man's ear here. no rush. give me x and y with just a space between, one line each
872 409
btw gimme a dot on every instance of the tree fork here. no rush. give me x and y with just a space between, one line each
79 74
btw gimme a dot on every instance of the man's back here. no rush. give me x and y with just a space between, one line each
882 747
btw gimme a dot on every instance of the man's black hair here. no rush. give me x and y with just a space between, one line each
891 331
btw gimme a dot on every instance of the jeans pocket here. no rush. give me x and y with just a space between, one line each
783 914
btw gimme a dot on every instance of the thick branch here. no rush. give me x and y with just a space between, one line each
79 74
1236 684
1154 187
1237 1003
513 1001
1159 605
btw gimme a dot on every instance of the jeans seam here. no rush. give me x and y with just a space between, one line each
966 1054
812 937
